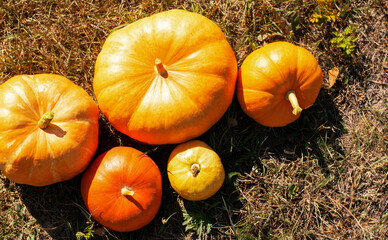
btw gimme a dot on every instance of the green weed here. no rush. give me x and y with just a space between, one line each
87 232
345 40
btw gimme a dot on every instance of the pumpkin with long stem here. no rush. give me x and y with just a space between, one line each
195 170
48 129
276 82
166 78
122 189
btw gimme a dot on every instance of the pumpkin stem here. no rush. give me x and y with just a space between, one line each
45 120
127 191
160 68
195 169
291 96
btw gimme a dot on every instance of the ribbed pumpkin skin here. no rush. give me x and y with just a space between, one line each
139 102
101 187
34 156
210 177
268 73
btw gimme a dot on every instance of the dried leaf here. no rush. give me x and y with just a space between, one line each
333 74
267 37
100 231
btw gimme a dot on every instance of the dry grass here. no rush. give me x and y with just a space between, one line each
324 176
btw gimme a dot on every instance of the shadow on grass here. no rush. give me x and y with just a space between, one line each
241 144
60 211
314 135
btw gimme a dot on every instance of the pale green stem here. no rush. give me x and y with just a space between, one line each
291 96
127 191
45 120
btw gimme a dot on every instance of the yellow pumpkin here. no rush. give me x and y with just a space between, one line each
195 171
166 78
48 129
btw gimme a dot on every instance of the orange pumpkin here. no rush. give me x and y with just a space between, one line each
165 78
276 82
195 171
122 189
48 129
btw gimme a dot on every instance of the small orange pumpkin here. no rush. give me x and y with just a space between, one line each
166 78
276 82
48 129
195 171
122 189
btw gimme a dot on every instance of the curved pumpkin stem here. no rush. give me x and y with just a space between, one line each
291 96
45 120
160 68
195 169
127 191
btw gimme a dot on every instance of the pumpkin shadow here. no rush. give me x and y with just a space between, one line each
55 129
60 211
55 207
242 143
134 201
315 135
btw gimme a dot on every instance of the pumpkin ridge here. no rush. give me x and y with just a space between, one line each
15 154
275 95
29 83
103 90
185 88
24 99
114 80
56 100
57 97
279 70
270 108
273 90
119 84
302 78
31 121
53 160
194 49
150 90
298 77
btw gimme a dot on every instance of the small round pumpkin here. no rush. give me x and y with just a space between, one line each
48 129
195 171
166 78
122 189
276 82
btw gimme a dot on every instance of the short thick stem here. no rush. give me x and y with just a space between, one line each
160 68
127 191
195 169
45 120
291 96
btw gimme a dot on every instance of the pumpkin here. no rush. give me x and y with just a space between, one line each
48 129
195 171
122 189
166 78
276 82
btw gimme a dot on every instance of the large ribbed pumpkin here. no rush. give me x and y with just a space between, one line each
276 82
122 189
48 129
165 78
